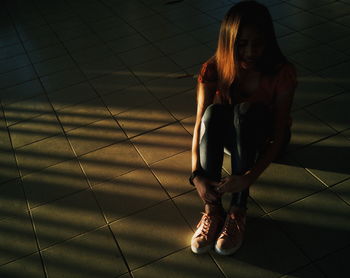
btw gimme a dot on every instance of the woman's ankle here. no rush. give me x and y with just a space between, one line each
213 208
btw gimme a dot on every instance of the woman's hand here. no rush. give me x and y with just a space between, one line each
234 183
206 189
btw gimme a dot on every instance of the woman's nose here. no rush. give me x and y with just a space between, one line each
248 50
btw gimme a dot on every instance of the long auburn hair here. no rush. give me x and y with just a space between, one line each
241 14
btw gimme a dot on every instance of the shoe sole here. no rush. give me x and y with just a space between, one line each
228 252
201 250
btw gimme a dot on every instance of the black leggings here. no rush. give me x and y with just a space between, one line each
243 131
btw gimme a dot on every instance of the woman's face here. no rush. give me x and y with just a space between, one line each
250 46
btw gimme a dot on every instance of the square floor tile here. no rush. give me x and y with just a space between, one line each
43 154
140 55
12 50
335 264
332 10
8 37
295 42
283 183
161 32
5 143
310 4
54 65
96 135
207 33
92 54
94 254
345 20
144 118
30 265
341 44
82 42
127 43
22 91
161 231
62 79
282 30
66 218
173 173
12 199
36 43
163 142
194 22
207 5
310 58
118 80
326 32
309 271
191 206
307 129
188 266
302 20
264 245
116 32
194 55
312 89
100 67
152 21
37 32
18 76
129 193
110 162
8 168
189 123
176 43
14 63
47 53
72 95
343 190
327 159
135 11
318 224
156 68
54 182
182 105
17 237
171 85
74 32
346 134
339 75
333 111
282 10
27 109
128 98
35 129
82 114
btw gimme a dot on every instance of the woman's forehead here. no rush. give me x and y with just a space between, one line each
250 32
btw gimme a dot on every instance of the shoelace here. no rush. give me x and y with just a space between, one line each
232 224
206 220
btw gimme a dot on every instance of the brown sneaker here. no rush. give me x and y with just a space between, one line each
231 236
207 230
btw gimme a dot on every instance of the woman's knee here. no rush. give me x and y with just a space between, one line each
214 113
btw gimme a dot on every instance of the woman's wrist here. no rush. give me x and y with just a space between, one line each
250 176
195 175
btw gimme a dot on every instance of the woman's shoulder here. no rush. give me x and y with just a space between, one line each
286 76
286 68
208 72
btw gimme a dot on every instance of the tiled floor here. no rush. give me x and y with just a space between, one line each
96 117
